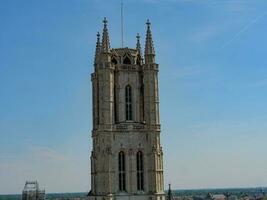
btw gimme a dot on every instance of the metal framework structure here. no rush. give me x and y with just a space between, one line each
31 191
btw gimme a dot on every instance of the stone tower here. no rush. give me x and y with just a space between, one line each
127 158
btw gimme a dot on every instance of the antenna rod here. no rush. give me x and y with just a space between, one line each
121 24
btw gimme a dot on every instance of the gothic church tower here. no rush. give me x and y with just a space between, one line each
127 158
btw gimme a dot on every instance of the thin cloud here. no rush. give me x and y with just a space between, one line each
187 71
171 1
205 33
260 83
244 29
47 153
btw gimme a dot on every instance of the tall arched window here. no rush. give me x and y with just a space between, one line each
122 181
140 170
128 103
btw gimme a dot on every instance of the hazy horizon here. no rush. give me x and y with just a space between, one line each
166 189
212 79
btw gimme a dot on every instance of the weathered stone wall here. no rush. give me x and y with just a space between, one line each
112 133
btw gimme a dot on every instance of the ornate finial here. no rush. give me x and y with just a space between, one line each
138 45
148 22
98 37
138 37
138 41
98 47
105 38
105 21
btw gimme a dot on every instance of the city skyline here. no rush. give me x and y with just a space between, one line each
212 87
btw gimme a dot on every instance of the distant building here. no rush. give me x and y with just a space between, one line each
198 198
219 197
232 197
31 191
170 195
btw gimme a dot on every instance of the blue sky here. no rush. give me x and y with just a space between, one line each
213 89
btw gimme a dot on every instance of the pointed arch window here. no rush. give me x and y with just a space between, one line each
122 179
140 170
127 60
114 61
128 103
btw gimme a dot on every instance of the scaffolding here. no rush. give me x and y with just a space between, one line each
31 191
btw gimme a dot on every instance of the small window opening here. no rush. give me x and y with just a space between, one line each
128 103
140 170
122 180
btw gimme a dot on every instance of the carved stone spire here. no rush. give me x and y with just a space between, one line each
138 45
139 50
97 48
149 48
105 38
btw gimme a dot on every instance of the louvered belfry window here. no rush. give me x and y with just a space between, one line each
122 180
140 170
128 103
